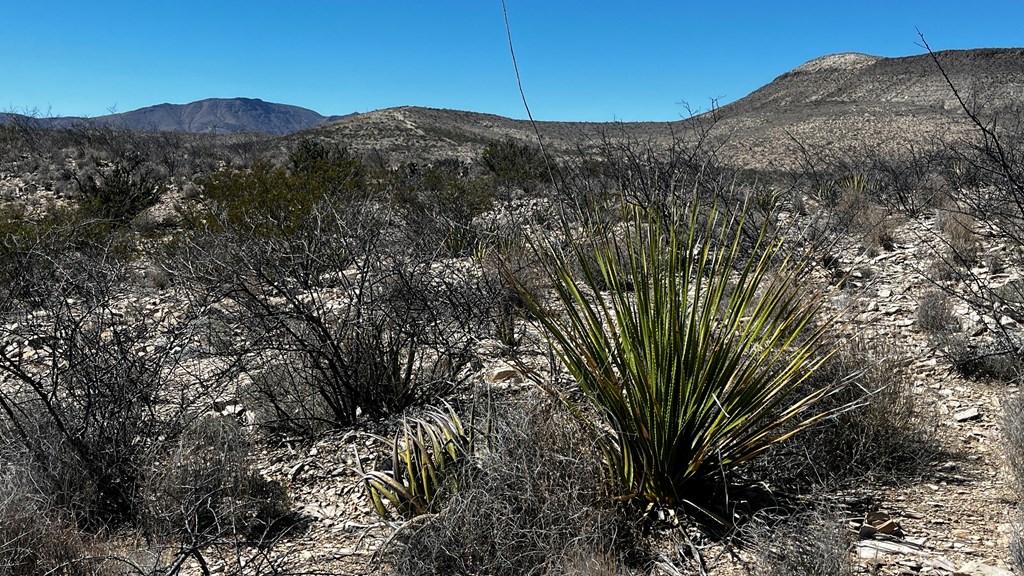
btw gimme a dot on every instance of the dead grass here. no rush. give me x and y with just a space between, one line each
532 505
813 542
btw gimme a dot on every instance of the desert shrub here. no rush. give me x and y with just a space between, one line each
1013 436
811 542
958 235
265 200
987 170
878 428
180 154
858 214
907 183
943 268
117 192
512 260
205 487
19 235
345 322
33 540
99 392
89 394
596 183
328 167
693 354
532 504
515 165
259 197
935 313
81 405
439 203
998 354
996 358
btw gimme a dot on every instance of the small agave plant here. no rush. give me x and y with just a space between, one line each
422 452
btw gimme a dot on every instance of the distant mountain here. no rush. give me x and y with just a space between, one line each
213 115
220 116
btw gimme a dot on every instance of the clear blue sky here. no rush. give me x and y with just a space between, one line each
580 59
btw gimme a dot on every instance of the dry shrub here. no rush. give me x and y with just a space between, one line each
1013 435
884 432
812 542
348 322
33 540
206 487
997 358
935 313
943 267
533 505
957 230
866 220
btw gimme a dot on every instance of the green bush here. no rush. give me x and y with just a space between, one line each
265 200
694 353
330 168
439 203
515 165
117 192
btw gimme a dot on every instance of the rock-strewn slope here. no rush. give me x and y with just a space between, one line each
848 102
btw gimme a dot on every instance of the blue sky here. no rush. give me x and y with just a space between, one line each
589 60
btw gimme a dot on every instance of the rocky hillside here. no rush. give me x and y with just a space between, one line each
996 76
411 132
845 102
839 103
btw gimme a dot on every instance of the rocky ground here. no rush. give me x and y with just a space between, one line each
956 520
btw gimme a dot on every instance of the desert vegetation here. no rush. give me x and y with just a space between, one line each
626 357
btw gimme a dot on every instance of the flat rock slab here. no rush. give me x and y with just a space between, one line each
968 414
978 568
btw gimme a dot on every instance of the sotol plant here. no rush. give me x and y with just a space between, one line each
691 338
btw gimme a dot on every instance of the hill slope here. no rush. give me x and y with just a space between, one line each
840 104
849 102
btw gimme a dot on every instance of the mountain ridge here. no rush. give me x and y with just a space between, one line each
836 103
209 115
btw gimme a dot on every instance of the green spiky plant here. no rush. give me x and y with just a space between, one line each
691 339
421 454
